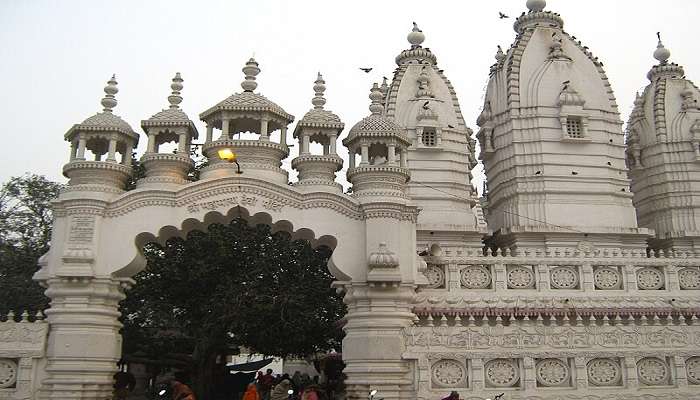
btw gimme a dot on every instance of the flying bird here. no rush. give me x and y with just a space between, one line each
367 70
502 16
425 105
566 84
498 396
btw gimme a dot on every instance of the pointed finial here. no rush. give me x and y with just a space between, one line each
109 101
661 53
536 5
176 86
375 95
250 70
319 87
500 56
416 37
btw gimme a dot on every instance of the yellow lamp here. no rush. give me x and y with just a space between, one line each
227 155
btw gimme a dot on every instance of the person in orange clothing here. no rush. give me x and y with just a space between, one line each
251 393
180 390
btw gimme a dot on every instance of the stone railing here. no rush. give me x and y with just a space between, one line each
22 351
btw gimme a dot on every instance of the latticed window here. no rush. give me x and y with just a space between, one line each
429 137
573 128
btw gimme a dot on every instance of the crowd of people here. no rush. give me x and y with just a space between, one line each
283 387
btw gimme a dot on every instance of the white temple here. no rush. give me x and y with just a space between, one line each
576 276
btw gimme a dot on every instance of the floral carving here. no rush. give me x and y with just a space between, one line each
564 278
520 277
689 278
435 275
449 373
652 371
475 277
604 372
501 372
650 278
607 278
552 372
692 368
8 373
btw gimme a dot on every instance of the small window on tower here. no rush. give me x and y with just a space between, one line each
574 128
429 137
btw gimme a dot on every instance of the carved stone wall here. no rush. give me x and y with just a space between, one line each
22 351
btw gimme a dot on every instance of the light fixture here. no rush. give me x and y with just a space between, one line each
290 392
227 154
162 392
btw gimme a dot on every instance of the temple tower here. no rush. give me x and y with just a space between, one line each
247 112
169 125
423 102
552 143
317 171
663 156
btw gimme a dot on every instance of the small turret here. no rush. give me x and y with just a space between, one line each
106 136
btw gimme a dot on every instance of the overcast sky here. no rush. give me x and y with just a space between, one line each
56 56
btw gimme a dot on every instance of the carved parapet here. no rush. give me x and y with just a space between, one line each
379 180
317 169
96 173
165 168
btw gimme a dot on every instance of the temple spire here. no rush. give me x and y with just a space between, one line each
375 95
250 70
662 54
416 37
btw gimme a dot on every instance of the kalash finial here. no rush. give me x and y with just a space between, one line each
319 88
109 101
416 37
661 53
536 5
250 70
500 56
376 96
175 99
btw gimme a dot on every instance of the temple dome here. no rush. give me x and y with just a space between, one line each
248 101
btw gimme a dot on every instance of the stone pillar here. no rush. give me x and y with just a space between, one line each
151 147
225 129
629 365
365 154
182 143
81 148
264 135
581 373
678 362
210 133
73 150
283 136
333 139
84 343
391 155
351 159
404 158
128 149
529 380
326 149
304 143
111 152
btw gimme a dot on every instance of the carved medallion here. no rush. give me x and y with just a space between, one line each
652 371
607 278
501 372
552 372
8 373
475 277
564 277
649 279
689 278
448 373
692 369
604 372
520 278
435 275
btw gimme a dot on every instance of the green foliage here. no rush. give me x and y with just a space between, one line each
25 231
234 285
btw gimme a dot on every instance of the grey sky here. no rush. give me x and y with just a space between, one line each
57 56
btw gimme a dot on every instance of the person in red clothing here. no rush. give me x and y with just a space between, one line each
265 383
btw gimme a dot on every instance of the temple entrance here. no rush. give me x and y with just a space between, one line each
230 286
